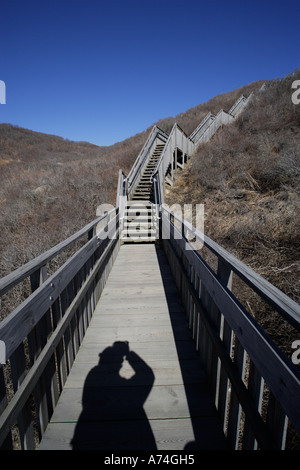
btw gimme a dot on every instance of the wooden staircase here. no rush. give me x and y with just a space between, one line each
143 191
140 222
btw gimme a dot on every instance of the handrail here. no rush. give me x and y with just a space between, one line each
154 172
122 181
143 154
43 334
271 294
157 196
19 274
122 194
234 349
202 123
47 328
242 98
165 159
137 160
215 122
162 157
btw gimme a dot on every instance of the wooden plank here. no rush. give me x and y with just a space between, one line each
170 434
255 387
277 421
90 351
124 401
9 281
164 368
234 420
8 440
32 309
273 296
149 333
222 397
233 374
10 414
277 370
18 368
166 372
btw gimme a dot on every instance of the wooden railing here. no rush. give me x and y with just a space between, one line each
167 162
42 335
203 126
143 158
255 386
239 105
167 165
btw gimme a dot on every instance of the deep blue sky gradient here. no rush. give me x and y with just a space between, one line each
104 70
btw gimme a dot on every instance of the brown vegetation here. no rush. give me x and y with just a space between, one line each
248 177
50 187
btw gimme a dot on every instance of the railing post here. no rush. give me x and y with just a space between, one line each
38 278
25 423
46 394
8 441
224 274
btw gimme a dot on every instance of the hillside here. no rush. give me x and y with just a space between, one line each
248 178
50 187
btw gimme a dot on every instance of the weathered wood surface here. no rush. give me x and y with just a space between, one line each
156 398
228 337
14 278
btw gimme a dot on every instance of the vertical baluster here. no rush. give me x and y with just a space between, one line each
223 397
204 341
89 296
8 442
234 421
277 421
25 418
74 328
214 363
255 387
197 286
68 346
201 331
224 274
78 280
60 352
34 346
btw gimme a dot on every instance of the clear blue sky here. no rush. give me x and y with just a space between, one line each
104 70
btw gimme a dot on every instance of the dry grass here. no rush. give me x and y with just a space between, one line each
248 177
50 187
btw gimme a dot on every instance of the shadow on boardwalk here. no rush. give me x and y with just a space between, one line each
113 416
206 425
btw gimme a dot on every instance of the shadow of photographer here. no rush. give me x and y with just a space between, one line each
113 416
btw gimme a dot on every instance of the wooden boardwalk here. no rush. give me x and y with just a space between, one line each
136 382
